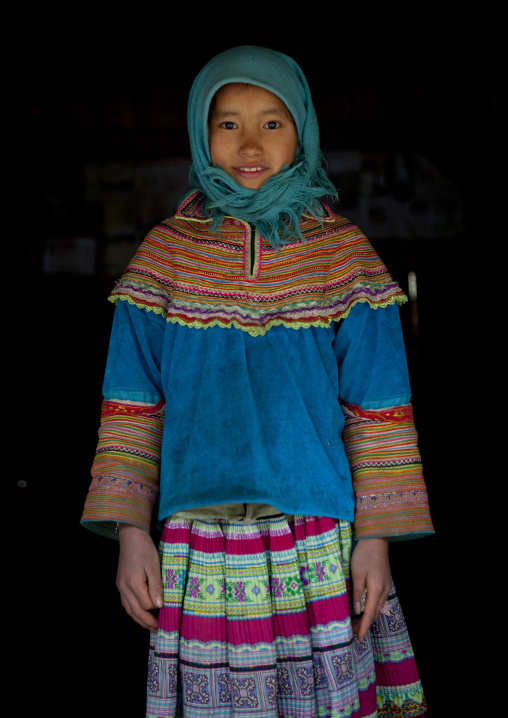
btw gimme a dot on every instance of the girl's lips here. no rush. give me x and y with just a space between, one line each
250 171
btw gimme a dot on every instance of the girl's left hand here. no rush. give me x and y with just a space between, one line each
370 570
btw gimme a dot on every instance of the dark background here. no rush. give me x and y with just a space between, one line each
96 95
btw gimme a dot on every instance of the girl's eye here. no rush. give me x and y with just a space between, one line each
228 125
272 125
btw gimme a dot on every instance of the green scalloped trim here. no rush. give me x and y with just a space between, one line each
394 656
114 299
260 330
399 694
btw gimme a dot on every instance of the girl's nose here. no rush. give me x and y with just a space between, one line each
250 145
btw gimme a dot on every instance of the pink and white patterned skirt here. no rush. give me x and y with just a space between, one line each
257 623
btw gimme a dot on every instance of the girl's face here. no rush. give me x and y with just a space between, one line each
251 134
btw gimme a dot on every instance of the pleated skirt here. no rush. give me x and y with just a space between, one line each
257 622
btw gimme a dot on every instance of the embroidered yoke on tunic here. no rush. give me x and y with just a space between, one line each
236 278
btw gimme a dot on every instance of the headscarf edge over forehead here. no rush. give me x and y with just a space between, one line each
276 207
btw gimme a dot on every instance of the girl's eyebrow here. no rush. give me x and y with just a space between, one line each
276 111
234 113
224 113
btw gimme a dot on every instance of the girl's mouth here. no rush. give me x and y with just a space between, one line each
248 171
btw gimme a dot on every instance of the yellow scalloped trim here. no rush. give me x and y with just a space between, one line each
258 331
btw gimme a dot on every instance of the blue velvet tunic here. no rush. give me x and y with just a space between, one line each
257 418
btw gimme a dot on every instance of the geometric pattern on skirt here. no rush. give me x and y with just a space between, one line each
257 623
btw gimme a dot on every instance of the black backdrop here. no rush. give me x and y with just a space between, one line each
74 649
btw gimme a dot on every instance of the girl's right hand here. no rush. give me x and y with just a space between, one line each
139 575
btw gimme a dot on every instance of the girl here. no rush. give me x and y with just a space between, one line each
257 384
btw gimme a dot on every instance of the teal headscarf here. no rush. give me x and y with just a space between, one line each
275 209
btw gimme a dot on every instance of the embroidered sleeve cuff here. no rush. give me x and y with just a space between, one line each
391 496
125 472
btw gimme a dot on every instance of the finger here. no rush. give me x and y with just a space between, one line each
138 603
141 615
365 622
355 624
359 596
155 588
363 627
145 620
371 613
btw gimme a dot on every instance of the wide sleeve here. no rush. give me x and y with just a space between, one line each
379 436
125 471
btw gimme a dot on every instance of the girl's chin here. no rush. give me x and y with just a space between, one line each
251 180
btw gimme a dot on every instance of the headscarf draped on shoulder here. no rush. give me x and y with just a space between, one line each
274 209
